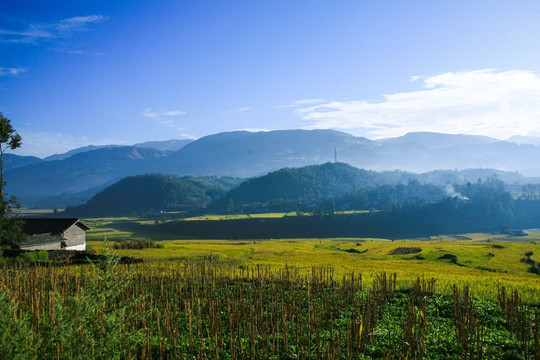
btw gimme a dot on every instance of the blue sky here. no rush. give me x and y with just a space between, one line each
74 73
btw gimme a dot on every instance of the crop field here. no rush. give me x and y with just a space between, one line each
467 296
212 310
481 261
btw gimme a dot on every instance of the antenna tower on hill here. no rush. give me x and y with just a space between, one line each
335 154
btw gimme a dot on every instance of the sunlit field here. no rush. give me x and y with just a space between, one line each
483 261
468 296
260 216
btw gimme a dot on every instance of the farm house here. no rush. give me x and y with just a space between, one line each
54 234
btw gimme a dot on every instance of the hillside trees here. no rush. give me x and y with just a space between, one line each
10 227
327 187
153 193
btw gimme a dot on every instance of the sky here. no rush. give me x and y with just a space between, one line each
74 73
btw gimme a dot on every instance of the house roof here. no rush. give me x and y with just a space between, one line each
34 226
41 239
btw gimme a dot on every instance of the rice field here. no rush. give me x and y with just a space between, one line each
467 296
481 261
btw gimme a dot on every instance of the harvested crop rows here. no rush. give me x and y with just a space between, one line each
210 310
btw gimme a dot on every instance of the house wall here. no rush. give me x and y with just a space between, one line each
76 247
75 237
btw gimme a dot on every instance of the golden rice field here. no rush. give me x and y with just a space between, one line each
468 296
483 261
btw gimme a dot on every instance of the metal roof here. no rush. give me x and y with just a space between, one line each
34 226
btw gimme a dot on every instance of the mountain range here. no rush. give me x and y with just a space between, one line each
245 154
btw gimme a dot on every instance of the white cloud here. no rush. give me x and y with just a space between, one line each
162 116
149 113
5 71
189 136
172 113
38 32
245 108
78 23
308 101
487 102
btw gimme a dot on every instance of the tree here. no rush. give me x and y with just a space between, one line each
9 140
10 226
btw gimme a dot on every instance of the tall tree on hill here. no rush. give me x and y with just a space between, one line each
10 227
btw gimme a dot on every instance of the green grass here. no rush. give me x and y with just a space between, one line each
261 216
35 211
119 228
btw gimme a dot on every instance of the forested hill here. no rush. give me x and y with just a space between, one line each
313 187
309 182
142 194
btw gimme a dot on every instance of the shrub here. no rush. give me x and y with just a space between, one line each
402 250
42 255
30 256
137 244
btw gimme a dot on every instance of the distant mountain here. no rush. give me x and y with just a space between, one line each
62 200
142 194
167 145
247 154
421 152
518 139
70 153
12 161
80 171
437 140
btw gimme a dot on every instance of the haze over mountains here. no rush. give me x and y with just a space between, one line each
246 154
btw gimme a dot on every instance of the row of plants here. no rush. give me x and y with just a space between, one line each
208 310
